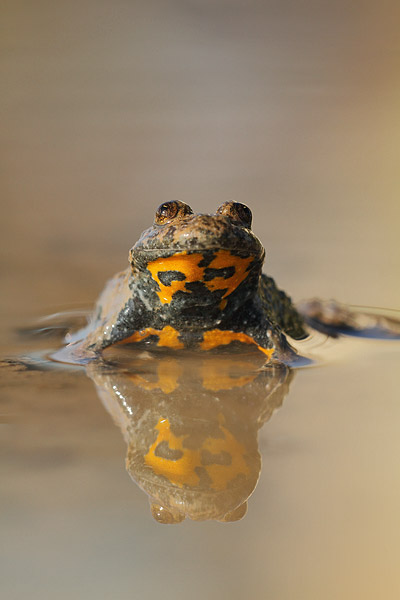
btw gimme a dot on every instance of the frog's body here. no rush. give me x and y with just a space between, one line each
195 281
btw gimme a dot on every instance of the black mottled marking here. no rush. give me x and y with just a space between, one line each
225 272
166 277
200 290
240 252
164 451
150 340
208 256
222 458
205 480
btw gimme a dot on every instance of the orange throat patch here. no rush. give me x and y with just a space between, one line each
188 265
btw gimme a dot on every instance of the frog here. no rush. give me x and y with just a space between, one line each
195 282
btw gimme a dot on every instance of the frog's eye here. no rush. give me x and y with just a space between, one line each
171 210
237 212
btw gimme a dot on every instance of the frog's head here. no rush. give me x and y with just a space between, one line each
199 259
177 229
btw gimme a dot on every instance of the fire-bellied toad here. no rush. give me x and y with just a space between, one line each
195 282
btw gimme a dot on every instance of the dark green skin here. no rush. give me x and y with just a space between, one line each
257 307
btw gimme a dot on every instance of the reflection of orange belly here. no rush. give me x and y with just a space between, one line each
188 265
185 468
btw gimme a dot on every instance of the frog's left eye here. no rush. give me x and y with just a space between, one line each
171 210
237 212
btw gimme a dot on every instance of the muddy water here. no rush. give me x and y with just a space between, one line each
111 109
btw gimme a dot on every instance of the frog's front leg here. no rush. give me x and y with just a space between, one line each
273 343
118 314
279 309
275 319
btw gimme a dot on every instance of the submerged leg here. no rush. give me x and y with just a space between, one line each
332 318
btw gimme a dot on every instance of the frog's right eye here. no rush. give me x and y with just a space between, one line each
171 210
236 212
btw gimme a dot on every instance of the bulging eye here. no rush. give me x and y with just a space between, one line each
237 212
171 210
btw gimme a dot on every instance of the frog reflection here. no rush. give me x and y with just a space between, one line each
191 427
